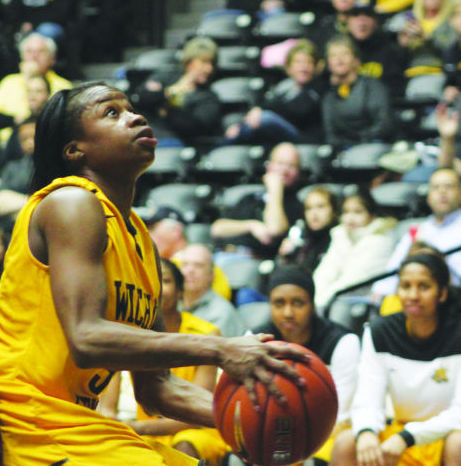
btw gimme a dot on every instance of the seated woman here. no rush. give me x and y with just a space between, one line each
181 106
360 247
308 245
203 442
293 318
356 109
414 357
290 110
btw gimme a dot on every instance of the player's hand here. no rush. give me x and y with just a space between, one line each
250 360
369 451
393 449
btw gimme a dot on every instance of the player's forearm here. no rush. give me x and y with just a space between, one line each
117 346
171 396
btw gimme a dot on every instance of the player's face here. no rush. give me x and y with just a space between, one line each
170 293
317 211
301 68
354 215
114 137
419 292
292 310
444 194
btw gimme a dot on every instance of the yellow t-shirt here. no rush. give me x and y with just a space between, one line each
44 396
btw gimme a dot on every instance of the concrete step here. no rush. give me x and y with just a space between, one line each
176 37
95 71
185 20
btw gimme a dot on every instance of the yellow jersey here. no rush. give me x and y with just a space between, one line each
44 396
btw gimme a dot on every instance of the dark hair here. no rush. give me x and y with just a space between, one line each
365 198
330 196
57 124
178 277
292 274
434 263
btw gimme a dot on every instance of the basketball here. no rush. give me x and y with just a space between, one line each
277 435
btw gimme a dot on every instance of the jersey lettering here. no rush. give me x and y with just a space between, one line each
133 305
96 386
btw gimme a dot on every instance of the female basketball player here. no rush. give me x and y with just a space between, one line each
79 296
414 357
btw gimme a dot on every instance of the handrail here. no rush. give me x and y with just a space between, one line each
375 278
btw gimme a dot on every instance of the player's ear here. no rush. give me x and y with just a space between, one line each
72 153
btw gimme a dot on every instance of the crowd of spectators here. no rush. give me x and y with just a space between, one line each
343 84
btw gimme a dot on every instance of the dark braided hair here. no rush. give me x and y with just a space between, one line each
57 124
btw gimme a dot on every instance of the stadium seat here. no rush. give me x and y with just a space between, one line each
283 26
238 93
255 314
315 159
358 163
171 163
237 60
230 164
231 196
225 27
398 198
190 199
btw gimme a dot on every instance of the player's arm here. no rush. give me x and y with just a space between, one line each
68 232
164 393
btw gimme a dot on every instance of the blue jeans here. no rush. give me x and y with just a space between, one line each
273 128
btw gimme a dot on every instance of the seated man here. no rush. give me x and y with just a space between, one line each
256 226
167 228
200 299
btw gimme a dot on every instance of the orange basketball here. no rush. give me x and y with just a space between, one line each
277 435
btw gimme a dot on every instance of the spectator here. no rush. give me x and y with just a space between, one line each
16 174
380 54
167 228
360 246
199 442
425 32
356 109
256 226
199 298
329 25
290 110
38 91
291 297
451 59
183 107
413 357
439 230
38 55
307 246
448 127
